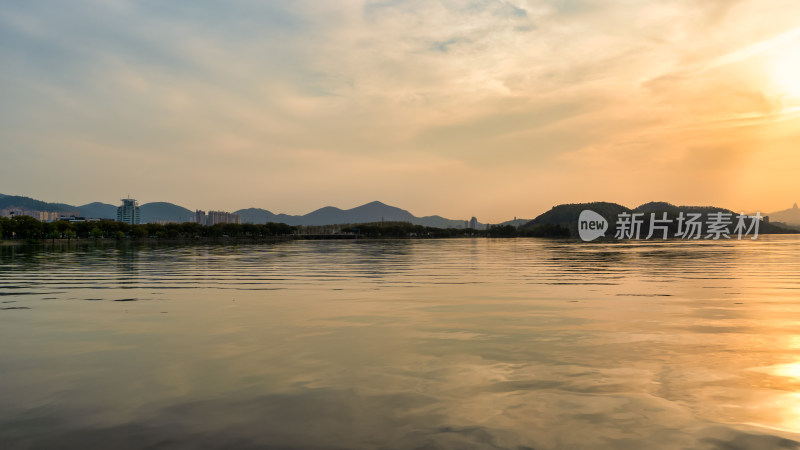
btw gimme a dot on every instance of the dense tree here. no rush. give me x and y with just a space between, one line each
138 232
26 227
96 233
545 230
62 226
502 231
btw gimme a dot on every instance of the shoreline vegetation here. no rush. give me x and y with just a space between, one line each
559 222
25 229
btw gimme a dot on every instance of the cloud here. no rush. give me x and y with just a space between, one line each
500 90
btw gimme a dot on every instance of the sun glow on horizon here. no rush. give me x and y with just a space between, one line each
785 73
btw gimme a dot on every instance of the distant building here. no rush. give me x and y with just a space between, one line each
200 217
473 223
44 216
215 217
74 219
129 212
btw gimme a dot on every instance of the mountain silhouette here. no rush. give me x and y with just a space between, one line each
154 211
370 212
566 215
17 201
789 216
98 210
375 211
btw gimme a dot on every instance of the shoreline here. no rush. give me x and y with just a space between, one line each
275 239
220 240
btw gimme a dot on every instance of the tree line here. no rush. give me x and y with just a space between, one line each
31 229
406 229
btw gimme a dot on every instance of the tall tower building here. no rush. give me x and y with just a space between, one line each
200 217
128 212
473 223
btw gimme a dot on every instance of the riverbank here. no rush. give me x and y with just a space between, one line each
154 240
213 240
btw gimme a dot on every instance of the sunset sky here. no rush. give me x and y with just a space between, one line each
477 108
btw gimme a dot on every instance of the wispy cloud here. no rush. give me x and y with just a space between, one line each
504 98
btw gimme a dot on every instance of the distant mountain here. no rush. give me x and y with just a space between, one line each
98 210
441 222
256 215
789 216
515 223
16 201
657 207
150 212
328 215
163 211
566 215
170 212
669 208
371 212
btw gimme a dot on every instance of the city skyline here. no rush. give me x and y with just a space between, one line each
491 109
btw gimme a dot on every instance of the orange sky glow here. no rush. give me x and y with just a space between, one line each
487 108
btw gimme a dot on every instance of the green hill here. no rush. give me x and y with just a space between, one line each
98 210
566 217
170 212
16 201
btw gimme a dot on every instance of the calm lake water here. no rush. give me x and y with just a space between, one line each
430 344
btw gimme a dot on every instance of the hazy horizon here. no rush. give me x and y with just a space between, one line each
416 214
490 109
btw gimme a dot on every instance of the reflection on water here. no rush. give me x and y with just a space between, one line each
515 344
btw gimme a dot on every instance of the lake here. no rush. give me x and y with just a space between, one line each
402 344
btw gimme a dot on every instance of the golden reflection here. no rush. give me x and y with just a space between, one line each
781 409
786 408
791 370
